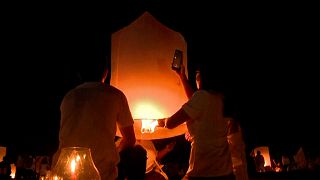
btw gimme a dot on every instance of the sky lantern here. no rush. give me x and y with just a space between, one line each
141 59
3 151
265 153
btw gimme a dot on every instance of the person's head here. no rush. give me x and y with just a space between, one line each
209 78
233 126
94 71
258 152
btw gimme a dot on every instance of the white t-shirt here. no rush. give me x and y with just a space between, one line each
237 147
210 154
89 114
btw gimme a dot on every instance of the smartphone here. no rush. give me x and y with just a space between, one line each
177 60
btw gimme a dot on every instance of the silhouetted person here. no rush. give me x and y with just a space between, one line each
132 163
25 169
89 115
259 161
5 168
285 162
210 156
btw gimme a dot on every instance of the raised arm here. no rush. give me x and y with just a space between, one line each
186 84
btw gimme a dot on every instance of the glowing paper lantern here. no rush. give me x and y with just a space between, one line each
265 153
141 60
3 151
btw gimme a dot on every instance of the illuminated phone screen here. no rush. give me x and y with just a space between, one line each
177 60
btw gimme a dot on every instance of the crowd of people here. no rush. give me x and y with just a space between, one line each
91 111
212 148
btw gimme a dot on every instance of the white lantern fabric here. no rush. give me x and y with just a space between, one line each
141 58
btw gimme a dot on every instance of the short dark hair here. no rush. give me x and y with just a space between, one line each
258 152
92 70
212 77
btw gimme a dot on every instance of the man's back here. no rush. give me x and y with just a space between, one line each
89 114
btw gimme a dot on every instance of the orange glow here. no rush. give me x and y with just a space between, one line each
147 110
141 59
148 125
156 101
3 152
73 165
265 153
13 171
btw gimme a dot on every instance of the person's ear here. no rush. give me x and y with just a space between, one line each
105 75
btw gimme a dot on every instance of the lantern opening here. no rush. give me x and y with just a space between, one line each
148 125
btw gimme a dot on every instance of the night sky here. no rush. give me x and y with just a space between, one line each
267 51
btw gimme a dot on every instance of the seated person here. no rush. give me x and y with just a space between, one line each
131 162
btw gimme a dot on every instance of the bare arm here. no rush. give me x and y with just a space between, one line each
178 118
128 138
163 152
186 85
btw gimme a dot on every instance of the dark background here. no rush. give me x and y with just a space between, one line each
267 53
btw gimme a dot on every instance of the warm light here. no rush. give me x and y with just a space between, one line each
13 171
3 151
265 153
142 55
141 61
148 125
78 157
278 169
147 110
149 113
73 165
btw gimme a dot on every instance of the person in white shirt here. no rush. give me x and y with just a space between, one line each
89 114
210 156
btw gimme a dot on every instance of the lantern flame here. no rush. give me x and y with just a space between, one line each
148 125
149 113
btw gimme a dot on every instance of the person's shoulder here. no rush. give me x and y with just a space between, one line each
204 93
200 92
112 88
199 95
115 90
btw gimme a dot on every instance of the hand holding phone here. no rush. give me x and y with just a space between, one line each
177 60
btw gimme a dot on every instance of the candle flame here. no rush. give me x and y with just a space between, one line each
73 165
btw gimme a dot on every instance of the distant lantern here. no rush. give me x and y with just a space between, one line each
141 58
265 153
3 151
